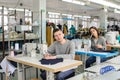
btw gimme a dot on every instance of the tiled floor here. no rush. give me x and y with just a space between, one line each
31 73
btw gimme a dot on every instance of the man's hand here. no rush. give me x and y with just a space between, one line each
49 56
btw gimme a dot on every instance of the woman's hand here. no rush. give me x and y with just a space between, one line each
99 46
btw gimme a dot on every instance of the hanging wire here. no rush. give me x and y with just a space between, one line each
18 2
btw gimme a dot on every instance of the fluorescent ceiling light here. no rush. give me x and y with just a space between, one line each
116 11
86 17
66 14
105 3
11 9
19 9
0 7
75 2
67 0
26 10
53 13
77 16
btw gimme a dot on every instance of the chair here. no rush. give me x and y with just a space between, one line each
71 75
43 75
1 70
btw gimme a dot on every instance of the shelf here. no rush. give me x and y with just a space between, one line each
16 39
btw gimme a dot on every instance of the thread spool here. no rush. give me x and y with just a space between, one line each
16 46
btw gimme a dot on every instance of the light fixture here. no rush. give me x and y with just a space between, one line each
19 9
116 11
12 9
86 17
66 14
105 3
77 16
53 13
0 7
75 2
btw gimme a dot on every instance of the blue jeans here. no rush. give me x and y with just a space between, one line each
91 60
59 75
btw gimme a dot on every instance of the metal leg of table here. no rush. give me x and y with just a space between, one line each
24 72
36 72
84 58
50 75
20 71
98 59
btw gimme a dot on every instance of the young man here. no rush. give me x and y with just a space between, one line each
60 48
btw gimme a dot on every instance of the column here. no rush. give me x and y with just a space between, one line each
103 18
39 14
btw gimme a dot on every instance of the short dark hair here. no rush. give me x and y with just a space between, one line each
55 30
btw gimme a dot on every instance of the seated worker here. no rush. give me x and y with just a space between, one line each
97 43
62 48
118 37
72 30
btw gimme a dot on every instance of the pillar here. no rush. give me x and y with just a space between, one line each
103 18
39 15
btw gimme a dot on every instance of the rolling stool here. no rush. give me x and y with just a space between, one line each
1 73
35 79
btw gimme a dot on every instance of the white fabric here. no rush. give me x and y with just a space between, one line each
7 66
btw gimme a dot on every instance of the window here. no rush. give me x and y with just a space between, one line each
28 13
0 20
5 20
20 13
54 17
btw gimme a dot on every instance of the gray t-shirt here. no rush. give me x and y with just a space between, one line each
100 40
66 50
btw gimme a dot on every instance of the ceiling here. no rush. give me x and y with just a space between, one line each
90 9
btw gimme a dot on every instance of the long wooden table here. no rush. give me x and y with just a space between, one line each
97 54
109 76
113 75
109 47
34 62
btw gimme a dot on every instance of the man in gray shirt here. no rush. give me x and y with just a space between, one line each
62 48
